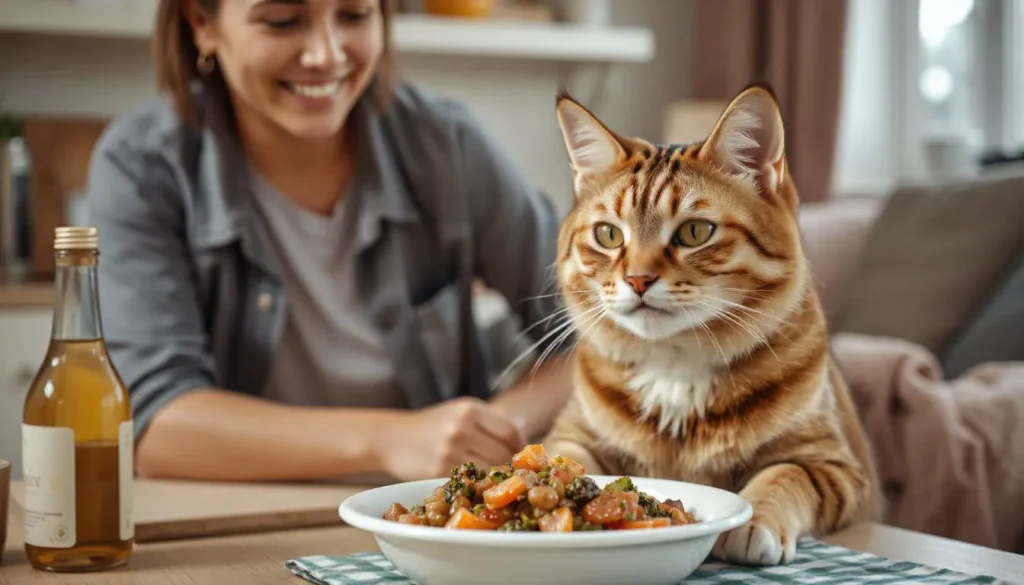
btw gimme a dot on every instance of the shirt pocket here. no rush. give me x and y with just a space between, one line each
437 323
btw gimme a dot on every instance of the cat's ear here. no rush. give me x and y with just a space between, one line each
749 139
593 148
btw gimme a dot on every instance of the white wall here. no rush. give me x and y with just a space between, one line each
514 99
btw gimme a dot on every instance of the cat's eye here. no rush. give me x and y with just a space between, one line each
693 233
608 236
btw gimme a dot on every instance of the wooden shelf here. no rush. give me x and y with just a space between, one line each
414 33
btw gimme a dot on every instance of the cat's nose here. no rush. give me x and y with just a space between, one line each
640 282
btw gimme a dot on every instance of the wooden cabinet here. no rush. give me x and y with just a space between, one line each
24 335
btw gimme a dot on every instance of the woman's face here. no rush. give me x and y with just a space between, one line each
298 64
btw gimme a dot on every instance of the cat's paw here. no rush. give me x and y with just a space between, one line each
758 542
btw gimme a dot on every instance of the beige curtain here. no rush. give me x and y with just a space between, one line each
797 46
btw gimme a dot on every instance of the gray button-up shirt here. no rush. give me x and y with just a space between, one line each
190 291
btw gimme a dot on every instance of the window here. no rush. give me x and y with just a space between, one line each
947 33
931 87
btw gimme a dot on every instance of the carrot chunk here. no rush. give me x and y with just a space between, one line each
532 457
558 521
411 519
639 524
463 519
563 462
505 492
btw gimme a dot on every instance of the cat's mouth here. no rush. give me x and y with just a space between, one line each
643 309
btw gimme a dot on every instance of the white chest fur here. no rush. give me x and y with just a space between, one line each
671 386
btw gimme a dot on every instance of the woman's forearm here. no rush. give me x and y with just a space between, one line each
537 399
214 434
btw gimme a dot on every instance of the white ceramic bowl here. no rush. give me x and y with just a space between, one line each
436 556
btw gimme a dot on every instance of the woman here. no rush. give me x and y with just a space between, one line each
290 242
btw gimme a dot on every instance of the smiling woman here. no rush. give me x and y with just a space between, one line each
293 238
298 65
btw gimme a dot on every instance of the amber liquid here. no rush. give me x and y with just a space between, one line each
77 388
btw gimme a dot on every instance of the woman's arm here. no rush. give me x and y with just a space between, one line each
214 434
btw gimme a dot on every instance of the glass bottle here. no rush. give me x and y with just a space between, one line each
77 441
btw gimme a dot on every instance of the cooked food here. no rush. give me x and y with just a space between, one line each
538 493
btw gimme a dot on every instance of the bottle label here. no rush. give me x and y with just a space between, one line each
126 479
48 474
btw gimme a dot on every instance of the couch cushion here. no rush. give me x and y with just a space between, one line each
933 258
834 233
996 334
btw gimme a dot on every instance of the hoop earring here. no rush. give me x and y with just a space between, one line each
205 64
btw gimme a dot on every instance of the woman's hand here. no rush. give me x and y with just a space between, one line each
430 442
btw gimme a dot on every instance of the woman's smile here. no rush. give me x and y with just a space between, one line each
317 93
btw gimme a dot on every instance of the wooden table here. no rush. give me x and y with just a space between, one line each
258 559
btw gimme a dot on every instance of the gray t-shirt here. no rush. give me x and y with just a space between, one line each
330 353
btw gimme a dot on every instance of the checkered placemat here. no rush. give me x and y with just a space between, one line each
815 562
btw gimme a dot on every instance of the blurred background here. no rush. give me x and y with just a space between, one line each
905 133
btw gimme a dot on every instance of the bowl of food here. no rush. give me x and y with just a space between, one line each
542 519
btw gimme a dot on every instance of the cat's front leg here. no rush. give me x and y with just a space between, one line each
790 500
571 436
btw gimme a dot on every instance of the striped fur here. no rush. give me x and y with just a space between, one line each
728 381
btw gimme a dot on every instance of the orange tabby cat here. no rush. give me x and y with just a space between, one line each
703 353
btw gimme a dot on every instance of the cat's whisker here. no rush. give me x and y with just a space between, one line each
562 312
558 294
689 315
737 289
767 343
556 331
725 316
743 295
583 335
725 359
779 331
778 320
754 315
711 337
719 313
752 330
561 338
592 320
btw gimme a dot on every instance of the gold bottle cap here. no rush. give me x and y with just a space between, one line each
76 238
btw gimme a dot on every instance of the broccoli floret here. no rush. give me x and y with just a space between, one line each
581 490
468 470
623 484
651 506
458 484
500 473
455 487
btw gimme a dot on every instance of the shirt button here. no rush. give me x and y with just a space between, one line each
264 301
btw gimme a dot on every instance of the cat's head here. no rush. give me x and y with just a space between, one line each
664 241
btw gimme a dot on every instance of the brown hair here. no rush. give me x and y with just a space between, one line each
175 55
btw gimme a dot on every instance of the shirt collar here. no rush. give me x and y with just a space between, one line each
223 208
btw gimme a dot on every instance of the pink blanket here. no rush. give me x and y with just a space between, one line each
950 453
